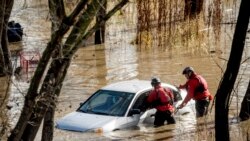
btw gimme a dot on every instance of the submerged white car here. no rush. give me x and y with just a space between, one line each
117 106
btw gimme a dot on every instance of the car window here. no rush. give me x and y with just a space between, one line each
177 95
106 102
140 102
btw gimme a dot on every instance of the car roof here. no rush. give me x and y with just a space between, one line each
132 86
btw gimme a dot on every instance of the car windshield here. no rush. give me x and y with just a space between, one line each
106 102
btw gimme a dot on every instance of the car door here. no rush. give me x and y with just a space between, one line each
177 97
140 104
136 110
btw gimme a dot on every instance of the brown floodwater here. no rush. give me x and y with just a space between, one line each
96 66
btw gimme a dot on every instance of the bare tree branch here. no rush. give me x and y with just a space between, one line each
96 26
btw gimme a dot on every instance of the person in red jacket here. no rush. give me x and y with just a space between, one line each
197 89
161 99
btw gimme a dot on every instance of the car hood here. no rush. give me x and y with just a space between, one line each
78 121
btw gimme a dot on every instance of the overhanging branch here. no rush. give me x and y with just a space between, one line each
97 25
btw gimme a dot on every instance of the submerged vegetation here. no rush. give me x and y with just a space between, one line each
167 24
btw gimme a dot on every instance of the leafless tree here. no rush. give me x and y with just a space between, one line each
229 77
40 105
5 61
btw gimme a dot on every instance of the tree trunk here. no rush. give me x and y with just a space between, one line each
80 31
228 80
192 8
81 27
245 105
66 63
51 86
30 98
57 13
100 32
48 124
2 11
42 104
52 48
5 61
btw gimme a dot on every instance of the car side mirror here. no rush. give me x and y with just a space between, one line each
134 112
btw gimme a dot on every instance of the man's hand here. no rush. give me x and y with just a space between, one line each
178 88
181 106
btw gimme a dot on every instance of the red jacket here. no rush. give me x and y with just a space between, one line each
193 90
164 96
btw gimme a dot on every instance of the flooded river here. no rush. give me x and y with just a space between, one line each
96 66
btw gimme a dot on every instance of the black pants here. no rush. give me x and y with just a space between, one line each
201 107
162 116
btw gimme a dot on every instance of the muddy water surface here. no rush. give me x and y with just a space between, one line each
117 60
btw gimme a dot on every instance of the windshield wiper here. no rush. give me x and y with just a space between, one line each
100 113
80 110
